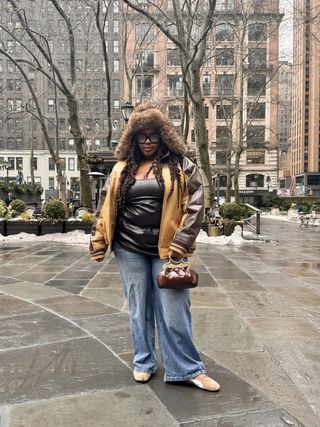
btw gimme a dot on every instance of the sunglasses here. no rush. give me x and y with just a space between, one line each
154 138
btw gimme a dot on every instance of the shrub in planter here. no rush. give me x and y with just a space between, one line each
3 209
54 210
231 211
16 208
231 214
84 223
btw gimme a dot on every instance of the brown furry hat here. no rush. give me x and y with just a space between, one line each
148 115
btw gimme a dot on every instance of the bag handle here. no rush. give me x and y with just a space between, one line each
172 264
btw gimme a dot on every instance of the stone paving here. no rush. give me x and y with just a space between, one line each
65 346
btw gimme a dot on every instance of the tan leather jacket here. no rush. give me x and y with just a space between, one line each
180 224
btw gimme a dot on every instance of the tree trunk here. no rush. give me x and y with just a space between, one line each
201 137
75 130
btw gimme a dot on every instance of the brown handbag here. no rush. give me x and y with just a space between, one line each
177 275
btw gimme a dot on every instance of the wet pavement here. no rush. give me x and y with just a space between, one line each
65 345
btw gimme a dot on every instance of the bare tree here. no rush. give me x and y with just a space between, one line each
188 26
67 87
239 68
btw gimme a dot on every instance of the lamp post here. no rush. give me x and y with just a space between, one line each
95 189
6 165
126 110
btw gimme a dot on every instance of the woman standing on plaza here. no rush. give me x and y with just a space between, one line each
151 208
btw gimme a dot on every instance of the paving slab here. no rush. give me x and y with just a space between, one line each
75 307
30 291
60 369
240 285
186 403
286 328
209 297
124 407
268 418
301 362
105 280
265 304
11 306
111 296
222 330
65 283
261 370
34 329
308 297
113 331
36 277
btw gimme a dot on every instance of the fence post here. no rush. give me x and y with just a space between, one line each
258 223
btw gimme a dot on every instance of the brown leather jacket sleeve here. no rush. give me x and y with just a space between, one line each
193 210
98 244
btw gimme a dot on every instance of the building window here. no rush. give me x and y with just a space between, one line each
116 65
257 85
224 56
257 57
173 57
62 124
116 26
257 32
223 137
174 112
51 182
144 32
71 143
224 84
175 86
116 105
224 112
144 86
225 5
221 157
206 79
62 143
224 33
116 6
255 180
62 163
144 58
71 164
19 163
255 136
51 164
256 110
11 162
255 157
50 105
116 46
62 105
35 163
116 86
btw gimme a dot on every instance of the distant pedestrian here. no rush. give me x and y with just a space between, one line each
9 199
151 209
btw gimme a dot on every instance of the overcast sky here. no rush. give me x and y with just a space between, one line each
286 7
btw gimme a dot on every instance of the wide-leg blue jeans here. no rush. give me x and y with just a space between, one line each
168 308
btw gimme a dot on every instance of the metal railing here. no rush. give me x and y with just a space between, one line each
257 215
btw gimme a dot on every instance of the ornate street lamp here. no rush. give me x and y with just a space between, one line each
126 110
6 165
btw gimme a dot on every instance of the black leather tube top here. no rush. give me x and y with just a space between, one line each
137 227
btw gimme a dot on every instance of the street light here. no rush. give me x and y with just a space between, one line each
6 165
126 110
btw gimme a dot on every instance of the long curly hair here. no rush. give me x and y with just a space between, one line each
171 150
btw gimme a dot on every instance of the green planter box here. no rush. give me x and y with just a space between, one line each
3 228
78 225
16 227
50 227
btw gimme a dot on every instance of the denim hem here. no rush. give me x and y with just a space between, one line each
188 377
148 371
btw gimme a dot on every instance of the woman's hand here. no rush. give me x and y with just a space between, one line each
175 255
